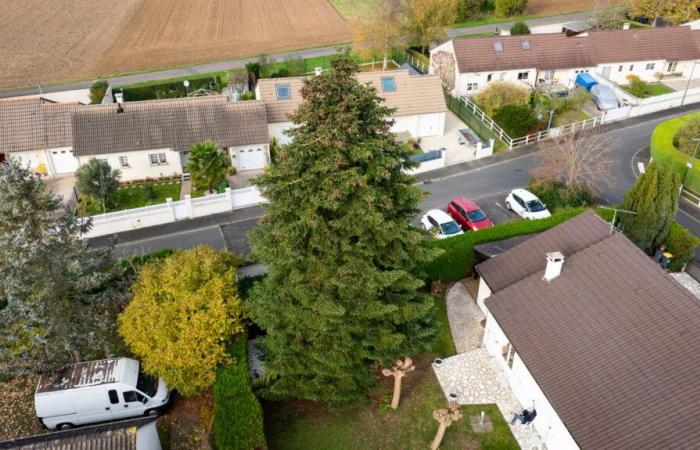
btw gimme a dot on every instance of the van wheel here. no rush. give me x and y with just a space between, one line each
151 412
508 207
64 426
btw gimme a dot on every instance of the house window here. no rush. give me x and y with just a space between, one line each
549 75
523 75
508 353
283 91
619 69
672 66
123 161
631 67
488 77
651 66
502 77
472 86
388 84
157 159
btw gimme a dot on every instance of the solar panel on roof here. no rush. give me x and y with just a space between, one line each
498 46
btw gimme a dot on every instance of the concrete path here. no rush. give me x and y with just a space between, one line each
185 189
530 23
477 379
465 319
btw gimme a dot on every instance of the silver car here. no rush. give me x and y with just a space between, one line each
604 97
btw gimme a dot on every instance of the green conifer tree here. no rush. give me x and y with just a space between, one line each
341 295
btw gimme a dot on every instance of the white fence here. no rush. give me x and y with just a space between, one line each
148 216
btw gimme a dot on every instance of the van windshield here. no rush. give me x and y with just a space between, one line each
147 384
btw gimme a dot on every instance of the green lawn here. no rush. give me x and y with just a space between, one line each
490 19
136 196
653 89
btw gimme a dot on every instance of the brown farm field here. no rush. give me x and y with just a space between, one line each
57 40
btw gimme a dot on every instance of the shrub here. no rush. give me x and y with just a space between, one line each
468 9
281 73
173 88
556 194
238 417
519 28
576 99
515 120
249 95
637 86
682 244
683 139
499 94
98 180
98 91
457 258
505 8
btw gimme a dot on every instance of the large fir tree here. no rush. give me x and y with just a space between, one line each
341 295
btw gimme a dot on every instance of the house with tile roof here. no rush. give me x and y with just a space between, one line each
148 139
597 336
418 101
469 65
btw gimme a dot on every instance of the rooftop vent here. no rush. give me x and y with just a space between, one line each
498 46
526 44
555 261
626 26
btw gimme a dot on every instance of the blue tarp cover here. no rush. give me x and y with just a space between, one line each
586 81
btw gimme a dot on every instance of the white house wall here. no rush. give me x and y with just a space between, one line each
140 166
276 130
483 293
527 391
481 78
32 159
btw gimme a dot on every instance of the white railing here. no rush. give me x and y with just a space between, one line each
417 63
171 211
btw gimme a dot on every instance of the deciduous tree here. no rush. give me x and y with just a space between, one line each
341 295
428 19
675 11
183 314
98 180
501 93
381 32
506 8
58 298
208 165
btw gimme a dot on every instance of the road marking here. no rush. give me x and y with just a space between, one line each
640 166
634 156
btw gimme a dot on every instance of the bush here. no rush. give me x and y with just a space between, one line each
637 86
98 91
576 99
556 194
499 94
457 258
519 28
173 88
468 9
683 139
515 120
682 244
238 417
665 153
249 95
505 8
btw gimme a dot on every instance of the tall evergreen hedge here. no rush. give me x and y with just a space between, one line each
238 416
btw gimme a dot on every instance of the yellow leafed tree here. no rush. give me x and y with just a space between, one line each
428 19
382 32
184 311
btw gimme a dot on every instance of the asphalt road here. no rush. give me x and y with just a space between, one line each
486 181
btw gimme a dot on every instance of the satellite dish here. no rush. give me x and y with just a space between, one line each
186 83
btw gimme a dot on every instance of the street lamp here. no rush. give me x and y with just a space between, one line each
187 86
687 86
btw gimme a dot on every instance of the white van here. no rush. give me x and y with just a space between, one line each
98 391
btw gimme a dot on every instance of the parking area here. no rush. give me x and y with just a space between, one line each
493 206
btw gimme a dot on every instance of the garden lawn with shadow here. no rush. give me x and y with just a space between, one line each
652 90
138 195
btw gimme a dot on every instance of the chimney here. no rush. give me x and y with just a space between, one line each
555 260
119 97
626 26
318 70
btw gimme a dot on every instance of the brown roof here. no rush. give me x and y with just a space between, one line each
34 123
175 124
557 51
119 435
414 94
524 259
610 342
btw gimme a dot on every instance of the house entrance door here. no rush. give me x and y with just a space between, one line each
606 72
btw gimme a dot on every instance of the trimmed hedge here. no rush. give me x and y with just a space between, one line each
667 155
458 257
173 88
238 416
682 244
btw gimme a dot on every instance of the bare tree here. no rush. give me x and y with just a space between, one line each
398 371
607 16
579 159
445 417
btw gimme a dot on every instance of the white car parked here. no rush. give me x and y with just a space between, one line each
525 204
440 224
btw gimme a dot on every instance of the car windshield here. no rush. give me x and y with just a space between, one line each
535 206
476 216
147 384
449 228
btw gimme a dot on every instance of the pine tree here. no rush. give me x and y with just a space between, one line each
340 297
654 198
58 298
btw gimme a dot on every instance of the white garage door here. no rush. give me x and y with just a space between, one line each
428 125
64 161
251 159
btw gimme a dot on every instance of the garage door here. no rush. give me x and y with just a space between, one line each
428 125
251 159
64 161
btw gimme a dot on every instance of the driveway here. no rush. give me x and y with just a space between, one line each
62 186
679 84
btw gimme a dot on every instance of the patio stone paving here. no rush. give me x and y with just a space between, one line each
477 379
465 318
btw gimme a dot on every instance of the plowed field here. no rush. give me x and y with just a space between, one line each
59 40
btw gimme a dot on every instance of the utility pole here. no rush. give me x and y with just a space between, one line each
687 86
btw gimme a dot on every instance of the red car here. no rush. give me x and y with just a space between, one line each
468 214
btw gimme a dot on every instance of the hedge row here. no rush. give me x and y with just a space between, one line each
172 88
238 416
667 155
458 258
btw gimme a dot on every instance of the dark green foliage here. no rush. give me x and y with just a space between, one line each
340 296
506 8
149 192
683 139
249 95
654 198
519 28
98 91
238 417
281 73
171 89
132 265
457 258
682 244
516 120
208 165
468 9
98 180
556 194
